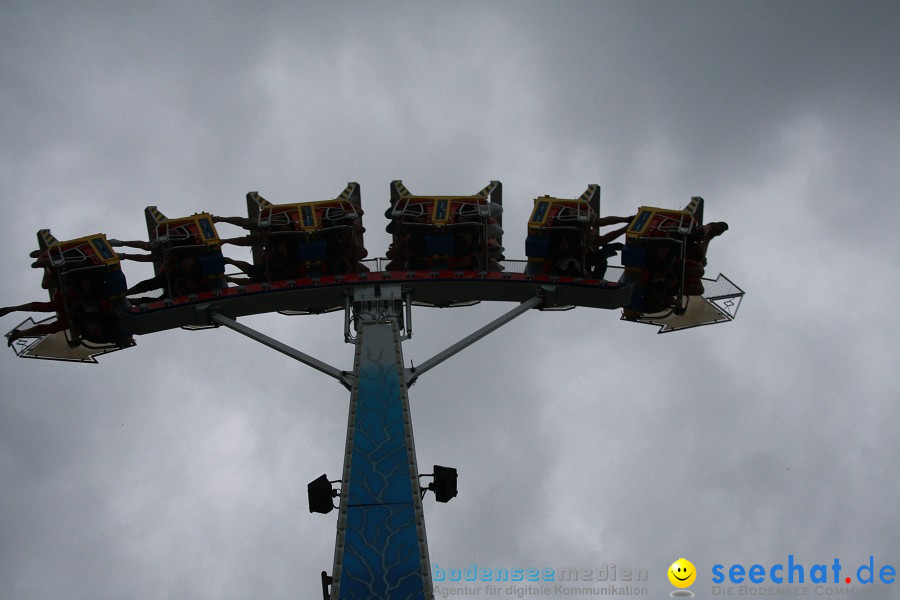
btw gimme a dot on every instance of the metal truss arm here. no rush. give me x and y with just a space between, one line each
413 373
345 378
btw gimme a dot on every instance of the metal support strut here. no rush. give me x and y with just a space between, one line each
413 373
344 377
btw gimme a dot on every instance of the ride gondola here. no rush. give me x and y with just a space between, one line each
186 253
445 232
307 239
87 293
664 259
564 236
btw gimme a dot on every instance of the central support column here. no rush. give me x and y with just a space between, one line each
381 550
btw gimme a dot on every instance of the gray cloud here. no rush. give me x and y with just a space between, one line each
177 468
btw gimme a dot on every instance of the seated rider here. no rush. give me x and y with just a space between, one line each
181 273
567 253
54 305
663 272
87 307
697 250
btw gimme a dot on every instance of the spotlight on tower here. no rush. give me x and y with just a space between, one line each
444 483
320 494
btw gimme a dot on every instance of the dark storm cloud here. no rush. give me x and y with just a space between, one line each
711 74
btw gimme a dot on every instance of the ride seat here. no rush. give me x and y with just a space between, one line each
113 283
212 263
537 246
634 256
312 251
439 243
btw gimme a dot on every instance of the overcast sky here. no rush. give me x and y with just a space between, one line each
178 468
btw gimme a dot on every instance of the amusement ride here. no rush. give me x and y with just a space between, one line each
310 258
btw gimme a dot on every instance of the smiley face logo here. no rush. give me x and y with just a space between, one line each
682 573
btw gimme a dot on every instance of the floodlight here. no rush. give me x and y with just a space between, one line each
320 494
444 484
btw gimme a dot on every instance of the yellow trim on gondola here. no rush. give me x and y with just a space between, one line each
543 207
46 239
203 223
640 224
443 209
157 216
694 205
98 243
541 211
307 212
